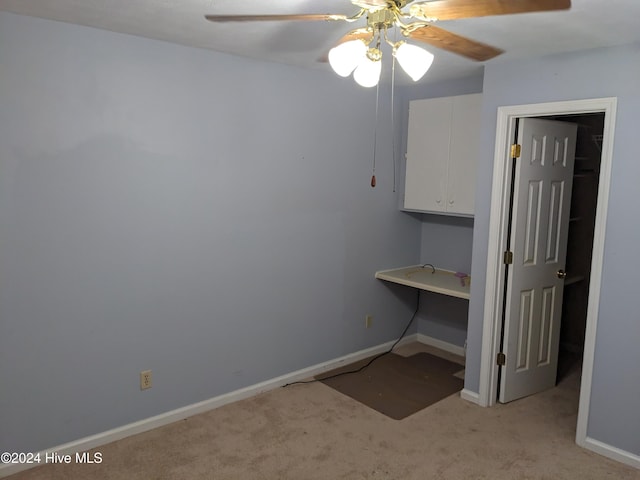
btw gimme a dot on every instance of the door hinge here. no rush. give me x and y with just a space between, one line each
508 257
515 150
501 359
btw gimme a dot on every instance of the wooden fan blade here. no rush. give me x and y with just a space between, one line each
441 38
454 9
271 18
360 33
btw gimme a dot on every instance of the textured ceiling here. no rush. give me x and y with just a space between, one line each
589 24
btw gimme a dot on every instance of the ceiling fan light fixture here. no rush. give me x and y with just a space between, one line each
415 61
367 73
347 56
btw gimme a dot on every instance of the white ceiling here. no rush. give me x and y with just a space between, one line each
589 24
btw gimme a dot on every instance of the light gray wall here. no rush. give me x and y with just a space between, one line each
612 72
445 241
167 208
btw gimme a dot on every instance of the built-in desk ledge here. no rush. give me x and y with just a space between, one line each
429 278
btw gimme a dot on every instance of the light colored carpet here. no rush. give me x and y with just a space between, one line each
313 432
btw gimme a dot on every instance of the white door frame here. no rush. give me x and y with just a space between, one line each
497 243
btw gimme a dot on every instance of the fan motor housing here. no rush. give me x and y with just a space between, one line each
372 5
381 18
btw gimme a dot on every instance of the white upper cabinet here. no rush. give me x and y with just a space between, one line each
442 149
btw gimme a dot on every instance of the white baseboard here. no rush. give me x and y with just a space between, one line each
441 344
94 441
470 396
611 452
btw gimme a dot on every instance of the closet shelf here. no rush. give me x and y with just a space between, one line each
584 175
573 279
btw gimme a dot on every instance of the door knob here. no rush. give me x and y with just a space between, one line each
561 273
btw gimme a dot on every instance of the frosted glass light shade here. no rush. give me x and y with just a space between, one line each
367 73
345 57
415 61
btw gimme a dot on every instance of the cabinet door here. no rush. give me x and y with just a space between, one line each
463 154
427 154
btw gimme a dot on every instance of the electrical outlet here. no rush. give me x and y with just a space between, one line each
145 379
368 321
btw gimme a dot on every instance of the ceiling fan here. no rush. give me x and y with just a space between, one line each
354 51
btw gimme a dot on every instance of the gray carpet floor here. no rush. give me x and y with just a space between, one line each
314 432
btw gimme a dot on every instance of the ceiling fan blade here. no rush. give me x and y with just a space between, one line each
359 33
445 40
270 18
454 9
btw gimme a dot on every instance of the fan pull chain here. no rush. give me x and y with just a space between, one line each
375 136
393 119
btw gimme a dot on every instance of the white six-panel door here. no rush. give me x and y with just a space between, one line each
543 178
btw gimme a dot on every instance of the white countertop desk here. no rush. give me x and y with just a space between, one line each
430 279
